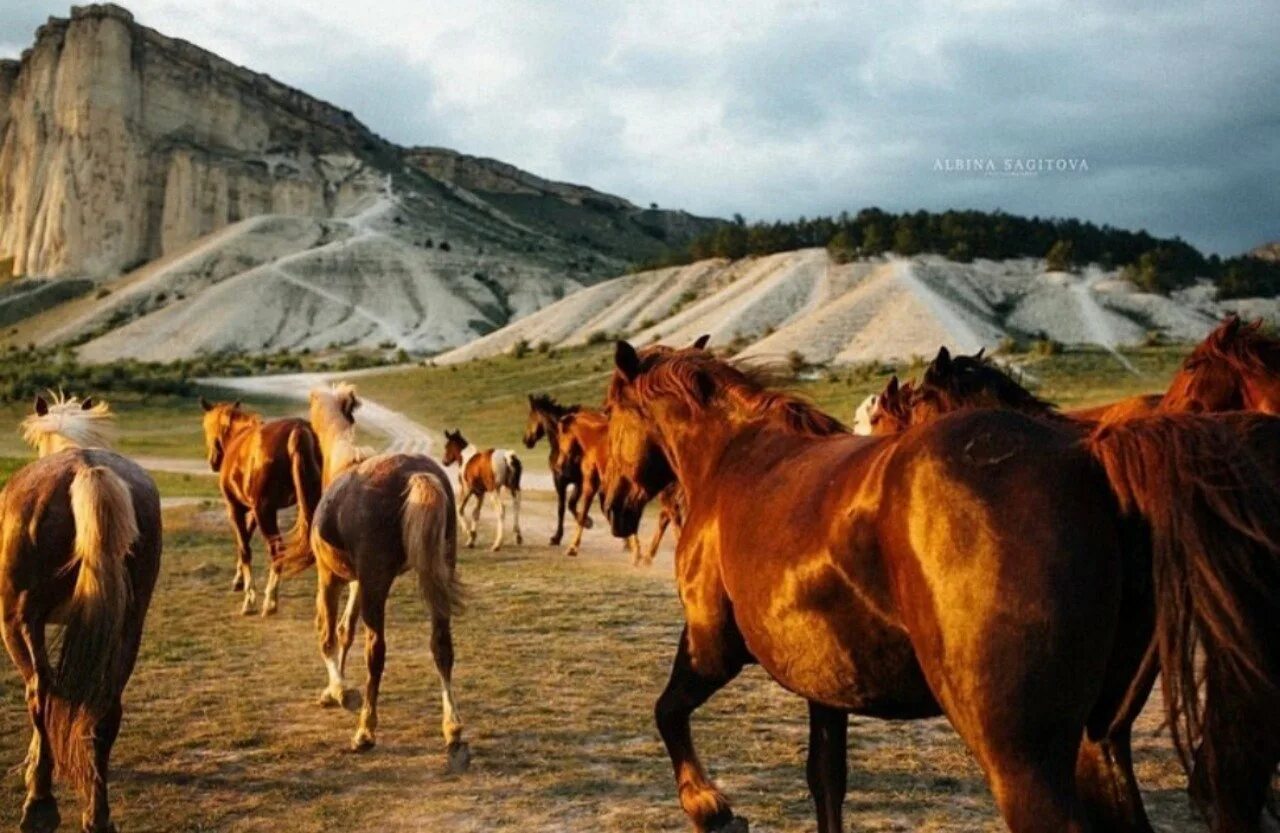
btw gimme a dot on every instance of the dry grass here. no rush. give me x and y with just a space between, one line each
559 661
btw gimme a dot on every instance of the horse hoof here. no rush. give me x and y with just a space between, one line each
519 539
555 540
571 552
330 699
587 523
459 757
362 742
270 609
495 548
109 827
40 816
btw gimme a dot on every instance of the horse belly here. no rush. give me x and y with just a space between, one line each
834 651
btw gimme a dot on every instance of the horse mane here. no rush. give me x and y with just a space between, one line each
977 382
697 377
1245 347
68 420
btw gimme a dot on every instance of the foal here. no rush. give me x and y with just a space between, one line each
483 473
262 468
380 516
79 547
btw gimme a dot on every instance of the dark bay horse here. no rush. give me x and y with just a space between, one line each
481 473
262 467
1236 368
1003 569
79 547
544 421
380 516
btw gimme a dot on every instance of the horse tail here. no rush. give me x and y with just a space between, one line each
304 461
1213 512
429 532
517 471
86 677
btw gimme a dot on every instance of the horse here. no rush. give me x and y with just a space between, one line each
584 444
262 467
379 516
544 421
1235 368
924 573
891 413
80 547
480 473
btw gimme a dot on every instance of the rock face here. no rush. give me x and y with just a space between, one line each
197 206
120 145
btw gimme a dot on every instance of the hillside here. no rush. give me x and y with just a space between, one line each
875 308
202 206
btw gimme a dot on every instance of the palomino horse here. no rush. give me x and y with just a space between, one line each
483 473
262 468
998 568
79 547
584 443
544 421
1236 368
379 516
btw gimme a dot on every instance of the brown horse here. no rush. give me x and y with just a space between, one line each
891 412
991 566
379 516
584 444
79 547
483 473
1236 368
670 511
262 467
544 421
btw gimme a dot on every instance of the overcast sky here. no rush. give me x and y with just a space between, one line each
782 109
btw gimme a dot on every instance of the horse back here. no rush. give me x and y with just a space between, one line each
258 467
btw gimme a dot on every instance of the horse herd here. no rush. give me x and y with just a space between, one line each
1027 573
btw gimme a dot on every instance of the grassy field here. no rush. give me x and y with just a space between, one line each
559 662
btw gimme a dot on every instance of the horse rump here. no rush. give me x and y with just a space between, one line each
87 672
428 530
304 466
1209 491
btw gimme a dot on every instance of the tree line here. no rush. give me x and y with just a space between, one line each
1152 263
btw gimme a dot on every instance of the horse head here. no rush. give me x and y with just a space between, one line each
1236 367
219 417
454 445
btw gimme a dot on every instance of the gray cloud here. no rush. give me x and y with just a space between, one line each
776 109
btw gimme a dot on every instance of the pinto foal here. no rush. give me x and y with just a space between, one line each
483 473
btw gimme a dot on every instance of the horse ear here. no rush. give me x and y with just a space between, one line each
235 406
42 407
1231 324
349 404
942 362
627 360
978 355
205 404
530 399
891 389
87 404
700 342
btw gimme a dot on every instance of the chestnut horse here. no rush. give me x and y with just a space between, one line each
79 547
670 511
991 566
262 467
1236 368
483 473
584 444
544 421
379 516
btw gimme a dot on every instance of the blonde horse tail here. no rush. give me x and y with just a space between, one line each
428 528
86 680
304 459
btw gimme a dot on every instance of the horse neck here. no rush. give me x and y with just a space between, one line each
1262 393
53 443
697 446
339 449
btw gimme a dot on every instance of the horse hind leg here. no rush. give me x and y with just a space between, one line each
97 816
328 588
373 606
1035 784
515 516
242 525
501 510
269 524
828 765
456 749
25 644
